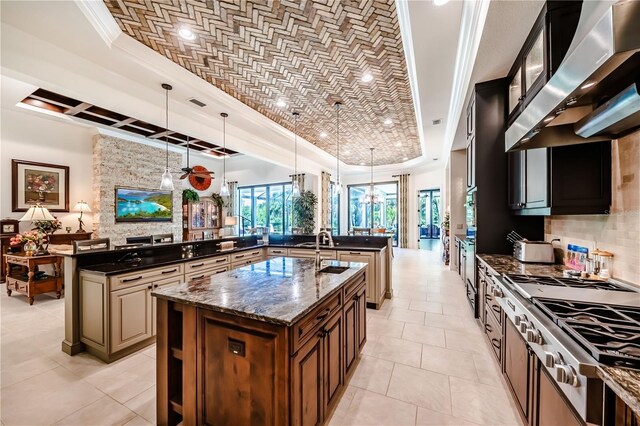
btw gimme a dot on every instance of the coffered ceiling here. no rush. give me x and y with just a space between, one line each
308 54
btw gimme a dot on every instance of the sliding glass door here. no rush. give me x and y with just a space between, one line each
429 210
385 210
265 206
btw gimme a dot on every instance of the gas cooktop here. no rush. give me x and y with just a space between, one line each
610 333
564 282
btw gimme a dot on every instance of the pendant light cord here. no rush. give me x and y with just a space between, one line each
166 122
338 105
295 146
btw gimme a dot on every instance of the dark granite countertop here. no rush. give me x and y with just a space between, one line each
325 247
507 264
279 290
625 383
158 261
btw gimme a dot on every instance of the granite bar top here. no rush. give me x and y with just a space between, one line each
625 383
507 264
113 268
279 291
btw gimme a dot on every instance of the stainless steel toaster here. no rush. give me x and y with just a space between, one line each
533 251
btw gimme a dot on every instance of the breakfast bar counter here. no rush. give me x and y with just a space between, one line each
274 342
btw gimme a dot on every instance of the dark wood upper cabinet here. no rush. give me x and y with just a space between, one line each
572 179
542 53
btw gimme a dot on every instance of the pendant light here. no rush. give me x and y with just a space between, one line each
370 196
166 183
295 189
337 188
224 188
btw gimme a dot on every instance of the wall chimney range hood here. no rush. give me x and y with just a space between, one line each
593 96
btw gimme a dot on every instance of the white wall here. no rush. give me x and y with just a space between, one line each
457 196
35 137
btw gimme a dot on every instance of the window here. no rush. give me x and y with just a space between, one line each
385 210
267 206
334 210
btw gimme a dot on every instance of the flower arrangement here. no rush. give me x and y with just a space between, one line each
36 237
47 226
40 182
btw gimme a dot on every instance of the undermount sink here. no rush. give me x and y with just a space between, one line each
308 244
333 269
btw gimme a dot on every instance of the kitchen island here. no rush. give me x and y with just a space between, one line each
271 343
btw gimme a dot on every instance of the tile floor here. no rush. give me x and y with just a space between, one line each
425 363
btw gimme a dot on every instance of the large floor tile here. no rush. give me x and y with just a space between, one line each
480 403
51 396
104 411
406 315
144 404
434 418
420 387
424 334
449 362
124 381
370 408
396 350
432 307
467 342
372 374
379 327
14 373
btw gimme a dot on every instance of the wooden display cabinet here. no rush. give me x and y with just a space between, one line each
201 219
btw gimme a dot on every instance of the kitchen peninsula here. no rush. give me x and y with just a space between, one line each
109 310
272 343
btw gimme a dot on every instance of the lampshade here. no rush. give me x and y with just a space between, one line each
224 188
37 212
166 184
82 206
230 221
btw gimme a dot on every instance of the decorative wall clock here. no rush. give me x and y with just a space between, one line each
198 179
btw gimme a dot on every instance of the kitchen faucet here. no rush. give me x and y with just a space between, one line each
325 234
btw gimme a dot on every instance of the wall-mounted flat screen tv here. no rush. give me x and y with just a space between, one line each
143 205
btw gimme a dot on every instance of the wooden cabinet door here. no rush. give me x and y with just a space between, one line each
130 316
362 317
351 344
154 301
537 178
306 383
553 408
516 366
333 361
516 179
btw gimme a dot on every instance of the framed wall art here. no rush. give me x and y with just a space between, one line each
39 183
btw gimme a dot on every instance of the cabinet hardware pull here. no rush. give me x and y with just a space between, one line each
156 286
220 271
495 343
220 260
495 308
169 272
323 315
511 305
354 252
321 333
240 256
132 279
197 265
150 287
197 278
488 328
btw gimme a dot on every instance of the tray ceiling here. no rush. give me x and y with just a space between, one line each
308 54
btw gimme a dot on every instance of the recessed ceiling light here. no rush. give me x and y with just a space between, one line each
388 121
549 119
588 84
399 144
323 135
281 103
405 158
362 164
367 77
440 2
346 152
186 33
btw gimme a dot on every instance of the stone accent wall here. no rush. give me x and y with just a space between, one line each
118 162
618 232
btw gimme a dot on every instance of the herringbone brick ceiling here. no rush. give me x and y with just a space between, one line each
309 54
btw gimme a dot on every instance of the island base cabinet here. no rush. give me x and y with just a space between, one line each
233 360
131 316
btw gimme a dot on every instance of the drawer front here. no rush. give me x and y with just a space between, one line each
304 329
201 265
311 253
136 278
277 252
354 286
492 306
245 255
472 297
198 275
494 333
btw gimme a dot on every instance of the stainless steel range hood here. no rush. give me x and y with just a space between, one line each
617 115
601 46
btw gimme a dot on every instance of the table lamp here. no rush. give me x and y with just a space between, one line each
35 213
231 221
81 206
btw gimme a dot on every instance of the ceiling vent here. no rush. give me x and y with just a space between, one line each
197 102
436 122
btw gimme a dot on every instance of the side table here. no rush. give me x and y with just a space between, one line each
28 279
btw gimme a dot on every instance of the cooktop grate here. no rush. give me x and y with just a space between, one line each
564 282
610 333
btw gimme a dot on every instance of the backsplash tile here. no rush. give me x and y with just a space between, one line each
619 231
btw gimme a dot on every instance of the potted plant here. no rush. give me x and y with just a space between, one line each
47 226
446 223
32 240
190 196
304 211
218 199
